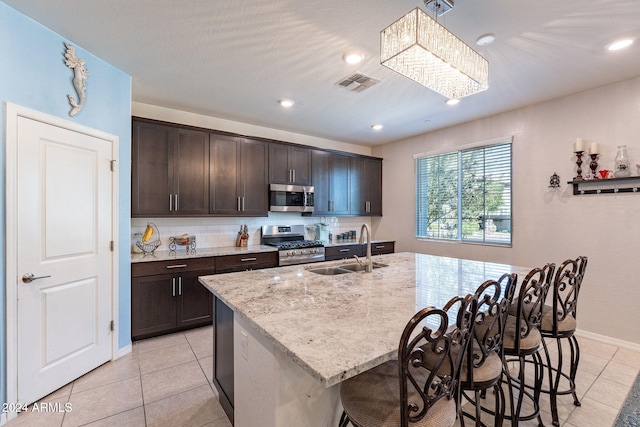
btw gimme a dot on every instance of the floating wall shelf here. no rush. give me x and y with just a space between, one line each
629 184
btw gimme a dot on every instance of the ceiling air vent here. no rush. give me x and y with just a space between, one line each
357 82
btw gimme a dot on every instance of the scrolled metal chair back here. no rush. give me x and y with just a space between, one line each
428 381
566 287
531 298
490 320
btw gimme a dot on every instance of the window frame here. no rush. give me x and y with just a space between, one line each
422 204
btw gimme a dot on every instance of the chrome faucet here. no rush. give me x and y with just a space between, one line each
369 265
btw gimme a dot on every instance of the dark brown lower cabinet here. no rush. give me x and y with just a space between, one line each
166 296
345 251
223 355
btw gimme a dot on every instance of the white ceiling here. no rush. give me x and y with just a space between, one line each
235 59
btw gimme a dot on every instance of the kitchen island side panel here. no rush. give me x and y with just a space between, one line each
272 390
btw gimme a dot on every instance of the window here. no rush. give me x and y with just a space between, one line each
465 195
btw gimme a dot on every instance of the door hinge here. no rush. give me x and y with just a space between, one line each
111 326
111 245
113 165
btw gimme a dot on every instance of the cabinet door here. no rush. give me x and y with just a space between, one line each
320 168
153 305
195 302
373 179
357 187
300 164
224 192
279 170
339 184
191 173
151 171
253 178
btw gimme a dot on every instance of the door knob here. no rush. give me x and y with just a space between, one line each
29 277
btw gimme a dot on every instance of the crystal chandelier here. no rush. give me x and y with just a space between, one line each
418 47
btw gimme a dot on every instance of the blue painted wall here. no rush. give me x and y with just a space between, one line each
33 75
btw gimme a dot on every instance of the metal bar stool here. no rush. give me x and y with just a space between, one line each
522 339
482 369
559 322
406 392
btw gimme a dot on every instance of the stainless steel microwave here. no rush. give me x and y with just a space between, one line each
290 198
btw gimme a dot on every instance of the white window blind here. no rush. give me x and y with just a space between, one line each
465 195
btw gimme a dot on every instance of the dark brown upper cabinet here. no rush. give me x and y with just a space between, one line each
330 183
170 171
289 164
365 186
238 168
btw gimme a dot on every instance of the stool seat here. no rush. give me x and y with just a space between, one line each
374 400
528 344
566 325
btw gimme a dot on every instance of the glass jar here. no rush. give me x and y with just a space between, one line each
622 162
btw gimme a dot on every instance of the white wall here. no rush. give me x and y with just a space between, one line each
548 225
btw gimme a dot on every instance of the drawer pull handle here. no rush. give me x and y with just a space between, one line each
379 246
248 259
177 266
345 250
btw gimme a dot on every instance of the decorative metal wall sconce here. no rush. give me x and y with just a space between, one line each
554 181
80 74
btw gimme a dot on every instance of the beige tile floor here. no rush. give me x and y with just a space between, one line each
166 381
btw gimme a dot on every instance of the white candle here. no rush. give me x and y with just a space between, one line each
578 145
593 149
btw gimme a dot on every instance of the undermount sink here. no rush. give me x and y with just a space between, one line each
360 267
343 268
329 271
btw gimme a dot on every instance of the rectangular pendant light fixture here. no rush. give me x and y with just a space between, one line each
418 47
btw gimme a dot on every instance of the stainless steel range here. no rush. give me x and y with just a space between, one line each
292 247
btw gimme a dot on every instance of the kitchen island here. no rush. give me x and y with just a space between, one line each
298 334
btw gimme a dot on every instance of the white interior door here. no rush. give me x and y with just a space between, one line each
64 231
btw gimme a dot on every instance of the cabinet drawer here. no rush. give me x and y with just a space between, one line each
248 261
139 269
343 251
380 248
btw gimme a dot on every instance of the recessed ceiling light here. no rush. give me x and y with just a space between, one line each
619 44
377 126
353 57
452 101
485 39
286 103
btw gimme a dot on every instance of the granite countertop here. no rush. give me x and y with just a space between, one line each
181 253
335 327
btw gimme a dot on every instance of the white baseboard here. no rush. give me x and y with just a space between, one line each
3 419
608 340
123 351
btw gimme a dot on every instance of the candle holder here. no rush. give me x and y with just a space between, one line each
579 163
594 164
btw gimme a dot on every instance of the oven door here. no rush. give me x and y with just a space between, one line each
290 198
300 256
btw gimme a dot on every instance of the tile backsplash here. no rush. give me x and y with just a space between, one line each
213 232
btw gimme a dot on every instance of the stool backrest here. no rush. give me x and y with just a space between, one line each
566 287
436 376
531 298
490 321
